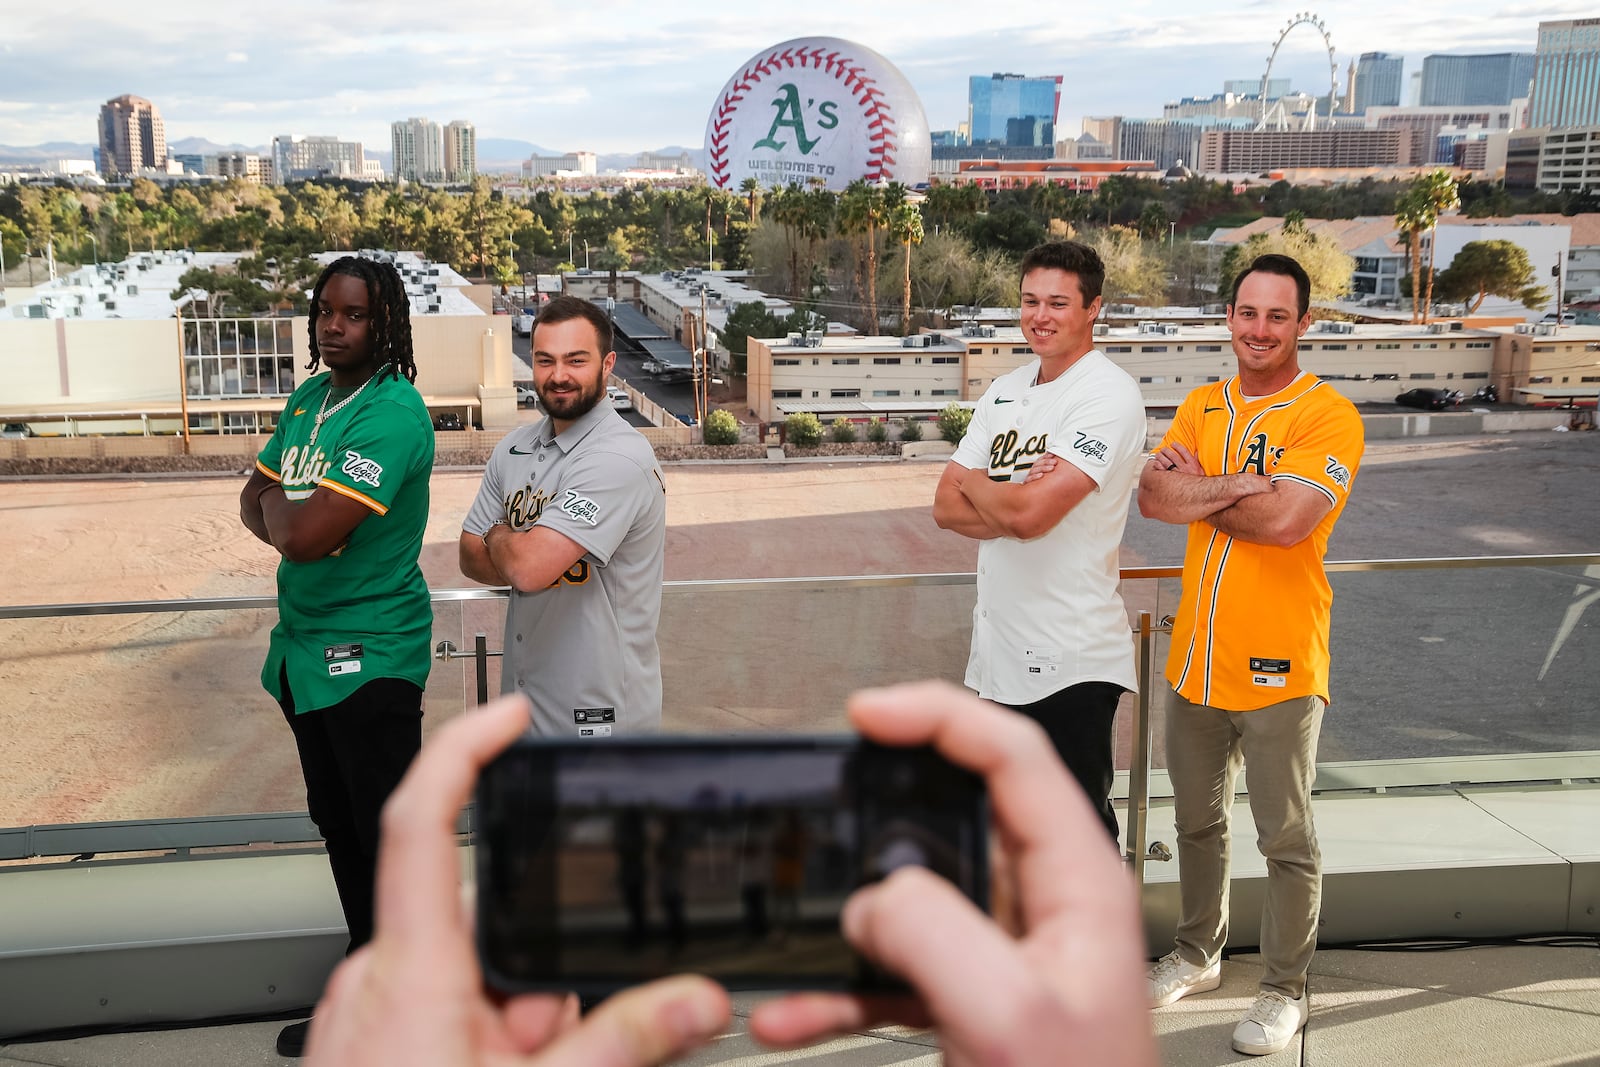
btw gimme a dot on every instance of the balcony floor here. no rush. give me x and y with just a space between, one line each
1492 1006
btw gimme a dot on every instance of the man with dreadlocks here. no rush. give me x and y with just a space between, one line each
341 492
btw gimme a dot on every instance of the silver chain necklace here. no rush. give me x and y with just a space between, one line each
327 413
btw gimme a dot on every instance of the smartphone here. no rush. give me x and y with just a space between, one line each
603 865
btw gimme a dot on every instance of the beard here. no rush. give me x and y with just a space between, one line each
569 406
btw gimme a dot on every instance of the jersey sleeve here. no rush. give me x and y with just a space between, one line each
599 496
269 460
1103 430
973 451
1325 451
375 454
490 503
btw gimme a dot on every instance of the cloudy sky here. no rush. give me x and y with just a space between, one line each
614 76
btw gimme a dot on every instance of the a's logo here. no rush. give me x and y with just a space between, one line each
1338 472
1258 453
1089 446
581 508
361 469
791 116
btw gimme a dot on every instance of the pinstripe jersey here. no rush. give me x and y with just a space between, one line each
1252 627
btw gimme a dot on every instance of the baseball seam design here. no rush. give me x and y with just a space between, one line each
880 119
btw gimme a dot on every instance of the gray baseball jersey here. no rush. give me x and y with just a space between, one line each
584 650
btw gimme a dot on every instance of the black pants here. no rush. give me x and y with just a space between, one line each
353 754
1080 721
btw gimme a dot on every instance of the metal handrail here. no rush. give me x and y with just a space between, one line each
807 584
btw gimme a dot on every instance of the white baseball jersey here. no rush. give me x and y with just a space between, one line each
1048 613
584 650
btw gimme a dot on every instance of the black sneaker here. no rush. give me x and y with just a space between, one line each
292 1039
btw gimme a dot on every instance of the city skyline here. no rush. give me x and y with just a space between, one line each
632 77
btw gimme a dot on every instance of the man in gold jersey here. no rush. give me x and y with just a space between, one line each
1259 467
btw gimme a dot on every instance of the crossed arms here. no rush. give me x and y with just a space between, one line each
527 560
309 530
1251 507
968 502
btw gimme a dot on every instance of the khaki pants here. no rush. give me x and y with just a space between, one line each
1205 748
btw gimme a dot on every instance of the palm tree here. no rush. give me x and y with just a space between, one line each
1438 190
905 225
752 198
862 211
1411 218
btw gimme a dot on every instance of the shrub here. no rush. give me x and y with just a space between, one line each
803 430
722 428
843 430
877 432
953 422
911 431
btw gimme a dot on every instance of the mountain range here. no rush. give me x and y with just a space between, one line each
496 155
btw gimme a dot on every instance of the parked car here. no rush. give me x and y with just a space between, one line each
526 397
447 420
1428 399
17 429
652 366
619 398
675 375
1568 318
522 325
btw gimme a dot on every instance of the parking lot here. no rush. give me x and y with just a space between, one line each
678 399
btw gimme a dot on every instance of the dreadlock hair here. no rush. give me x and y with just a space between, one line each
391 312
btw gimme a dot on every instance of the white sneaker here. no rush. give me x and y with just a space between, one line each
1269 1025
1173 978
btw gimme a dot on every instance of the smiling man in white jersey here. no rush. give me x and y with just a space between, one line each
1042 481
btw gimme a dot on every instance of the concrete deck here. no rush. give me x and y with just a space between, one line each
1512 1005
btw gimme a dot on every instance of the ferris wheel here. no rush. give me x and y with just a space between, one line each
1276 113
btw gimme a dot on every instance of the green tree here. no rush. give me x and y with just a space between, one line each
953 422
803 430
905 226
1328 265
911 431
863 211
1134 272
1440 193
877 431
842 431
1411 219
1491 268
721 428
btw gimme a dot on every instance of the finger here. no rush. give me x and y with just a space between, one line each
645 1025
889 922
1061 854
805 1018
536 1019
418 860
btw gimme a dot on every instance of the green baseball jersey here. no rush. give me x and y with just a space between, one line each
361 612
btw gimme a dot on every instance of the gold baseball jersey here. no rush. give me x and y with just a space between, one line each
1252 626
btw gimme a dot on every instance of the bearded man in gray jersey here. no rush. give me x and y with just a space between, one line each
572 516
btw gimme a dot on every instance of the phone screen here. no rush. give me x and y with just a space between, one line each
604 865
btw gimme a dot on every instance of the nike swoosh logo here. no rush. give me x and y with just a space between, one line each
1208 411
299 411
515 451
1002 400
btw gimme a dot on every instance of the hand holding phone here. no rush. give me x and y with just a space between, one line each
1060 978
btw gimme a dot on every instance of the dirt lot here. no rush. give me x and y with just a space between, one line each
160 715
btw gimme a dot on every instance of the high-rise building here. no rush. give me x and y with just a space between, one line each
1566 80
1012 109
460 151
296 158
132 136
418 150
1379 80
1450 81
1252 87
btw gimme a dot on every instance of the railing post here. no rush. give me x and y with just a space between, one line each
481 660
1139 769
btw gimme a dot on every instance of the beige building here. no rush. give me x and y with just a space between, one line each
914 377
108 351
1254 151
132 137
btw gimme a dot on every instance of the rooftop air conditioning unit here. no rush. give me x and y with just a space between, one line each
794 339
914 341
1437 327
1148 327
1544 329
1523 327
1170 329
1101 329
133 290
